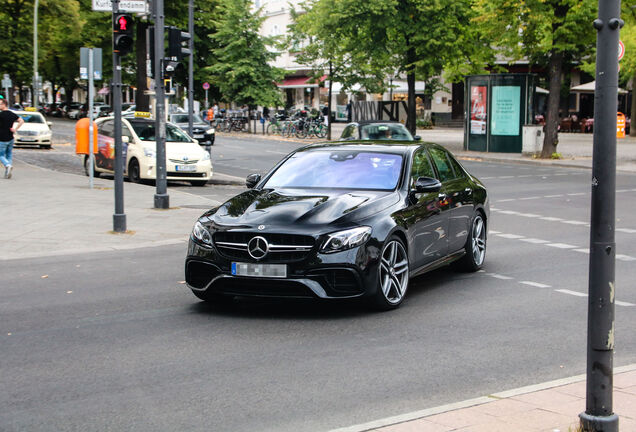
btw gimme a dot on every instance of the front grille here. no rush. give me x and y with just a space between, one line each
283 248
261 288
28 133
185 174
183 162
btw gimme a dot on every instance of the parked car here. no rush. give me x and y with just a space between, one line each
101 111
377 130
201 130
35 130
185 159
129 110
52 110
68 108
342 220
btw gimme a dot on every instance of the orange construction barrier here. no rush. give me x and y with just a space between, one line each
620 125
81 136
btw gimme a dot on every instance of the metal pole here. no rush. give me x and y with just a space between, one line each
599 415
119 218
162 200
36 91
191 65
91 96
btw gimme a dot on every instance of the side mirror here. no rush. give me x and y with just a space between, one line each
417 138
252 180
427 185
49 124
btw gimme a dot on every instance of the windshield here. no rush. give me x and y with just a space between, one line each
385 131
146 132
32 118
347 169
183 118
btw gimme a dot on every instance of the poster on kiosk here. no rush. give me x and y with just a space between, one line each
478 101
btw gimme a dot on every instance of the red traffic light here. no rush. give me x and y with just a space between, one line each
122 23
123 34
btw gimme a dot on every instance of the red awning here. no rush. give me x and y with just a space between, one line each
104 91
301 82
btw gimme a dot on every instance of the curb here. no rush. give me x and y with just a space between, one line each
416 415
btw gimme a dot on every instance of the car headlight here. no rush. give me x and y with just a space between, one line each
201 233
209 131
206 156
343 240
148 152
44 132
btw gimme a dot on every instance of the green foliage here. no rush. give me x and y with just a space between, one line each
243 73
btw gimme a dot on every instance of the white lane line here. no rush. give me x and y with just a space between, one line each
551 219
506 177
507 200
553 196
562 174
577 194
498 276
561 245
275 152
626 230
508 212
535 284
625 257
494 232
510 236
620 303
585 251
534 241
530 198
573 222
529 215
525 175
574 293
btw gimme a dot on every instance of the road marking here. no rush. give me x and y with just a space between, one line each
498 276
585 251
561 245
573 222
551 219
507 200
534 240
574 293
553 196
529 215
626 230
530 198
275 152
535 284
494 232
508 212
510 236
625 257
577 194
620 303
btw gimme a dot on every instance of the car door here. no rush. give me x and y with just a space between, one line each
426 220
457 188
105 156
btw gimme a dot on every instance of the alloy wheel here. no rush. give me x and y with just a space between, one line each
394 272
478 241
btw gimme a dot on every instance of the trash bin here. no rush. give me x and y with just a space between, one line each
620 125
532 139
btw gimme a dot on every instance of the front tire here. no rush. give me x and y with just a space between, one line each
133 171
393 275
475 245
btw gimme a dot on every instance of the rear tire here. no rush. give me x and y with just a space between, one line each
86 167
475 246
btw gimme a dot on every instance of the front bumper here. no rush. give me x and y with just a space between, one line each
348 274
202 171
37 139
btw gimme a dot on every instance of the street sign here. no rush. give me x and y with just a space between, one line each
621 50
133 6
6 81
206 86
97 63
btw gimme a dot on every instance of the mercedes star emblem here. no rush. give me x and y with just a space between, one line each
261 227
257 247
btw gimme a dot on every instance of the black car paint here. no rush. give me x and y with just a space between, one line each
433 226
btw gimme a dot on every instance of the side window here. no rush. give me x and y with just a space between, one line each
125 131
106 128
347 133
459 171
443 165
421 166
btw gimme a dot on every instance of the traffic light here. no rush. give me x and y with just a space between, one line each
176 50
123 31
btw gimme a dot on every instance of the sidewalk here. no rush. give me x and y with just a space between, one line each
47 213
549 407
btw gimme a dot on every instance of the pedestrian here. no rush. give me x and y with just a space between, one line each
348 112
7 119
325 113
217 113
210 115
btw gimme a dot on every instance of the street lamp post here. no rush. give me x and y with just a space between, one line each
599 415
191 66
36 90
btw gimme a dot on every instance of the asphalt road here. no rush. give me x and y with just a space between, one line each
114 341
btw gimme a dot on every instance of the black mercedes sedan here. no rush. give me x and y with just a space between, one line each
342 220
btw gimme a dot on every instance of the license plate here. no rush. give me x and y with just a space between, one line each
198 136
259 270
186 168
27 139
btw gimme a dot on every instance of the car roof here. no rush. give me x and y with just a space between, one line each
368 122
376 146
27 112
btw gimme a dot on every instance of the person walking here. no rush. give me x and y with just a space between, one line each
325 113
7 119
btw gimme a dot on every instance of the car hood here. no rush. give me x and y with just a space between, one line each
177 150
291 208
33 127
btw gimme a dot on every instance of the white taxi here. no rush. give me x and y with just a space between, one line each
35 130
185 159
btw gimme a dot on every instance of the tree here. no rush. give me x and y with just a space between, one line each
312 36
628 63
551 33
243 70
